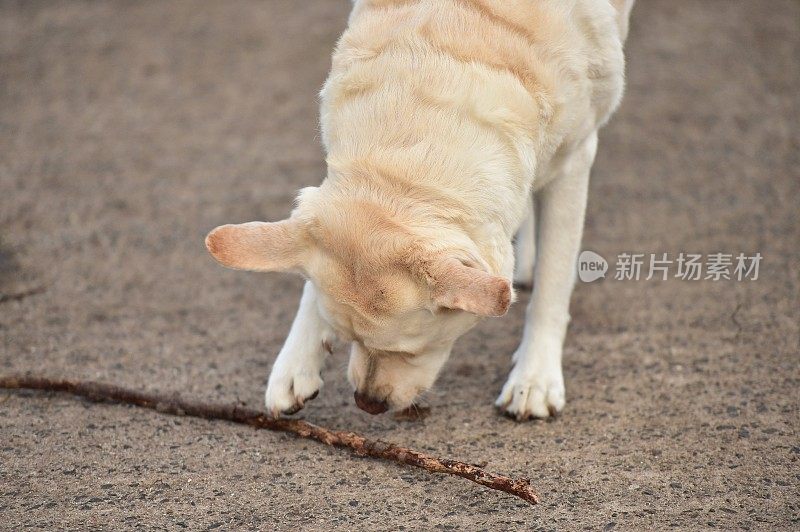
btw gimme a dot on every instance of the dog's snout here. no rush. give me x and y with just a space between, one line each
370 405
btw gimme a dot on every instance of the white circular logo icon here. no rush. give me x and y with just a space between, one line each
591 266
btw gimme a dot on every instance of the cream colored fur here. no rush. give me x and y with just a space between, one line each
442 119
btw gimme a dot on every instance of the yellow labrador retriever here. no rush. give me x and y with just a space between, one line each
442 121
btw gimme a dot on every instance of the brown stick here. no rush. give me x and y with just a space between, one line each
96 391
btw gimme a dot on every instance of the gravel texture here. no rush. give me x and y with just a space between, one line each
129 129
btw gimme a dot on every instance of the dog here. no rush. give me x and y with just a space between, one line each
445 122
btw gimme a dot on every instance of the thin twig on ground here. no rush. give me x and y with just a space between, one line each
18 296
95 391
735 321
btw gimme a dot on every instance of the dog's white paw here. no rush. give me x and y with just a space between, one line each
534 393
288 389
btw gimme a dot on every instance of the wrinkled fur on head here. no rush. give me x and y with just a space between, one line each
399 295
369 252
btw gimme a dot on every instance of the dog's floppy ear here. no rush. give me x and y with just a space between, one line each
457 286
258 246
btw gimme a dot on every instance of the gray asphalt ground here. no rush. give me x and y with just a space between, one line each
129 129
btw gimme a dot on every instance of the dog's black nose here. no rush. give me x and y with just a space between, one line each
370 405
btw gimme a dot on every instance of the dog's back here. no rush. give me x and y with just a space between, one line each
500 83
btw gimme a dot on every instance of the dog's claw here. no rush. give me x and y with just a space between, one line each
301 403
538 397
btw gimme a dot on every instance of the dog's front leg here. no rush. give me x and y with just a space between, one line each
295 376
535 387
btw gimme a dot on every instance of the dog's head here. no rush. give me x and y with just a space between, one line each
399 297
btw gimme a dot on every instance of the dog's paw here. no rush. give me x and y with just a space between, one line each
534 394
288 391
